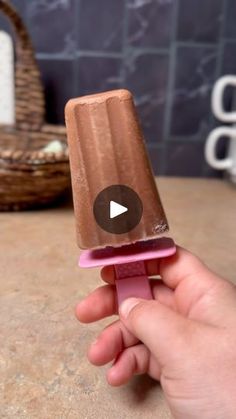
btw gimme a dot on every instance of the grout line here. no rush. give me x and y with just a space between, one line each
182 138
171 85
109 54
194 44
26 17
76 63
55 56
86 53
230 40
77 54
124 45
221 41
171 76
148 50
220 53
219 61
218 68
198 139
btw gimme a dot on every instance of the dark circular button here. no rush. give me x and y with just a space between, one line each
118 209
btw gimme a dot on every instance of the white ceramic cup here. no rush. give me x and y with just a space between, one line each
229 163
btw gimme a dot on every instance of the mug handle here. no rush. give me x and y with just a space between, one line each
217 99
210 148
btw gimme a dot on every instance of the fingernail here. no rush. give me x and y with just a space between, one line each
127 306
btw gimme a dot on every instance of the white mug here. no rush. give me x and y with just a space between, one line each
229 163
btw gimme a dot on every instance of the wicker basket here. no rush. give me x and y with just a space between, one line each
29 176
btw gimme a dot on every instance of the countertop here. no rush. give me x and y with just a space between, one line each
44 372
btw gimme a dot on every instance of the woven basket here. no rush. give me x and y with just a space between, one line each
29 176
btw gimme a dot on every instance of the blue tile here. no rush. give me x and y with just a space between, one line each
52 26
207 170
184 159
230 25
97 74
20 6
194 79
101 25
59 82
5 24
229 58
200 21
147 77
157 158
105 44
149 23
229 67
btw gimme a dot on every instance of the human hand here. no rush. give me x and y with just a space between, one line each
185 337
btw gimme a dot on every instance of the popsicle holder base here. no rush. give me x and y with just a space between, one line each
129 264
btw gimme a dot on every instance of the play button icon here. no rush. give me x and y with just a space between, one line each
118 209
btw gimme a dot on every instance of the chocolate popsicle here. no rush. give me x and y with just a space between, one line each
106 147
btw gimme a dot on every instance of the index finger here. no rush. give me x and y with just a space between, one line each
108 272
173 269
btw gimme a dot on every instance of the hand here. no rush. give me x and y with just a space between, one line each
185 337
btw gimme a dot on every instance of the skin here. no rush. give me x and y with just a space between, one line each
185 338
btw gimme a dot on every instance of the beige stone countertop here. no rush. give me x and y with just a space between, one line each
44 372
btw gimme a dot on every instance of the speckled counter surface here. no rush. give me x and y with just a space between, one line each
44 372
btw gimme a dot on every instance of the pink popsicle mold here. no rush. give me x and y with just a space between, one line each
129 264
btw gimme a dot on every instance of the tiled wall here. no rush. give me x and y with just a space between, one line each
168 52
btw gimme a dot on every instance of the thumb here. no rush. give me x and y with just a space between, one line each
165 332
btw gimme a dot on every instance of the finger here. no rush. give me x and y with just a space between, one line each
108 274
102 302
165 332
185 266
172 269
113 339
133 361
163 294
99 304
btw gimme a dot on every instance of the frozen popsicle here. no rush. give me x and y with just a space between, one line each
109 162
106 147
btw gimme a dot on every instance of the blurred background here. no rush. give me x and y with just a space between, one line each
168 53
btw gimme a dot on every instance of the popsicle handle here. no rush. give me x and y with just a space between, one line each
129 262
132 281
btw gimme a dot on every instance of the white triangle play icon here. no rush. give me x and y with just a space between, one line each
116 209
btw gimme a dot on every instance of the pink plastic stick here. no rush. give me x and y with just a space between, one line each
132 281
129 263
